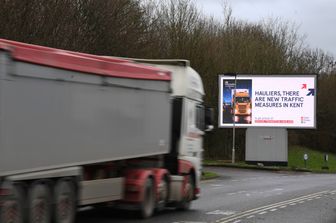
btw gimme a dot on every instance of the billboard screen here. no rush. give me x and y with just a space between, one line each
287 101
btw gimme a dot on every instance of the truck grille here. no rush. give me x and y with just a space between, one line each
242 108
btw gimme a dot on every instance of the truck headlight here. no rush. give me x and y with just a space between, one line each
248 119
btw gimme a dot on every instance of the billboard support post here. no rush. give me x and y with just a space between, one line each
234 122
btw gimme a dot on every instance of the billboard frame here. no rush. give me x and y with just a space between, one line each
236 76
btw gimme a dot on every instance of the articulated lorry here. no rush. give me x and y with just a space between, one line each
241 105
84 130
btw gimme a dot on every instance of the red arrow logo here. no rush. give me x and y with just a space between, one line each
304 86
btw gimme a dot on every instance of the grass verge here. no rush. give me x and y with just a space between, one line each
315 162
209 175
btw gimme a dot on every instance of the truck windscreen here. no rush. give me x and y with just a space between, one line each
242 99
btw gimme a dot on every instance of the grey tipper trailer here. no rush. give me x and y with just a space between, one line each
65 116
53 118
79 129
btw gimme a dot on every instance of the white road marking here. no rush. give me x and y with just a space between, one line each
292 204
188 222
238 192
220 212
278 189
251 216
274 209
265 209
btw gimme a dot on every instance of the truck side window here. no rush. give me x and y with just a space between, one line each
200 122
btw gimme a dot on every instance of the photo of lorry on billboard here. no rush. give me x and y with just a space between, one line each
237 101
287 101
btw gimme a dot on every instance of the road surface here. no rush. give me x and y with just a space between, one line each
246 196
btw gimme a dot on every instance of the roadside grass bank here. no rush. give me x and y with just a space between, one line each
207 175
316 162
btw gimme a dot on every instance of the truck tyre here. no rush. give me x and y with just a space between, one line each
148 204
39 203
12 209
185 204
163 193
65 201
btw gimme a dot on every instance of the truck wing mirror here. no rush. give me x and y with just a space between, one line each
209 119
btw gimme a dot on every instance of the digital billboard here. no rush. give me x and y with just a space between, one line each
287 101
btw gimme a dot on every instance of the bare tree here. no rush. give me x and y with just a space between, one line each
177 29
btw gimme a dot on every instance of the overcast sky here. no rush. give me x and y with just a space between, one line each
316 18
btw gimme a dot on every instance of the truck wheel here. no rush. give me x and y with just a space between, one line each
163 193
185 204
148 203
65 202
39 203
12 209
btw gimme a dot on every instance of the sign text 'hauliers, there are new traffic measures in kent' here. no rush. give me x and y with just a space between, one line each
287 101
